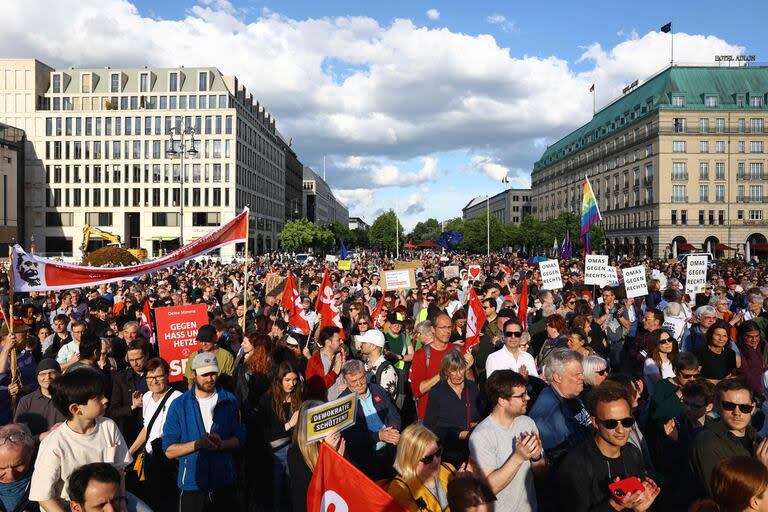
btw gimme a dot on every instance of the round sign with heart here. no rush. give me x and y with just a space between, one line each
474 271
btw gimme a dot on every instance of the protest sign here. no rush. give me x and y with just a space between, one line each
595 269
696 273
474 271
274 286
551 279
635 281
398 279
331 417
450 271
345 264
402 265
612 277
177 328
330 258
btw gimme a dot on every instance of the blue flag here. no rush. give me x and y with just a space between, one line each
343 253
449 239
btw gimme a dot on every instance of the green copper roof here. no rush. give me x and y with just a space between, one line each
692 83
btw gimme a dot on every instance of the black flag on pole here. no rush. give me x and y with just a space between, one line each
667 28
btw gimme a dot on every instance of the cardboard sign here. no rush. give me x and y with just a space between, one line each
635 281
330 258
612 277
398 279
345 264
331 417
595 269
403 265
451 271
676 326
474 271
696 273
551 279
274 285
177 328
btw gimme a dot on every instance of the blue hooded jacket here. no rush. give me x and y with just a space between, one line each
204 470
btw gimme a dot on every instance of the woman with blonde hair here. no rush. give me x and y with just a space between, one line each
422 481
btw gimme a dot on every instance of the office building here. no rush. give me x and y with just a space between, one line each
12 200
358 223
509 206
320 205
97 155
680 158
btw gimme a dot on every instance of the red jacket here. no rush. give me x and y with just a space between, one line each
317 381
419 373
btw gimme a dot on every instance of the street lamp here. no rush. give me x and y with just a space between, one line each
179 147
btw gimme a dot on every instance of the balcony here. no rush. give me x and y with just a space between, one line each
742 199
681 176
679 199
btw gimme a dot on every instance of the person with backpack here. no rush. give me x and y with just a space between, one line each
378 369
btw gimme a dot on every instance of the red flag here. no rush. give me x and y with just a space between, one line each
377 312
522 306
145 325
338 485
291 302
326 305
475 320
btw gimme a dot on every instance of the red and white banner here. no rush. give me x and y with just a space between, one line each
177 328
475 320
326 305
338 486
522 306
32 273
145 324
291 302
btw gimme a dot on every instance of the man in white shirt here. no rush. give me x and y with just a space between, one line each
70 353
511 356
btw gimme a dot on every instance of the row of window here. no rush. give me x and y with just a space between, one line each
756 125
680 193
130 150
755 146
75 198
155 173
628 221
713 101
136 125
159 219
116 82
183 102
707 217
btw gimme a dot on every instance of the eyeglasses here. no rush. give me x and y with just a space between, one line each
602 372
513 334
521 396
612 424
427 459
362 323
730 407
689 375
15 438
157 378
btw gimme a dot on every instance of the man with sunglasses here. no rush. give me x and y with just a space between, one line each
511 356
732 435
608 457
506 444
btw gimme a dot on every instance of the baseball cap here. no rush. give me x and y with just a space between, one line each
206 334
730 281
372 336
205 362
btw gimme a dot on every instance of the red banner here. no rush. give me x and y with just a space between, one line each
32 273
177 328
475 320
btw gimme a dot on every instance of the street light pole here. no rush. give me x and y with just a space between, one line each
183 150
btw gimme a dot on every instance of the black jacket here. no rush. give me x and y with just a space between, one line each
585 474
129 421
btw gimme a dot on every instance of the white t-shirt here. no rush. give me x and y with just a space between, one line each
149 406
206 409
503 359
64 450
651 368
491 445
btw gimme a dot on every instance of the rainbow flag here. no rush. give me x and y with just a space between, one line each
590 214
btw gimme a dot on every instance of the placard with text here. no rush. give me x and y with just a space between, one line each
177 328
635 281
551 279
696 273
595 269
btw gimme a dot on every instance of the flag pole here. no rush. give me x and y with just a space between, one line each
594 104
672 46
245 267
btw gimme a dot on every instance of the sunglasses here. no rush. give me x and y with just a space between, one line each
362 323
689 375
571 302
602 372
612 424
513 334
744 408
429 458
664 341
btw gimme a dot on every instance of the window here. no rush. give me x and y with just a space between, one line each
678 101
756 146
679 171
701 217
755 214
704 193
740 170
114 85
756 101
711 217
56 88
173 84
228 130
742 147
756 125
710 101
649 150
678 146
755 193
720 146
203 81
740 100
756 170
206 219
740 193
703 170
85 82
703 125
721 217
683 217
741 125
165 219
673 217
678 124
144 82
679 194
719 193
720 125
740 215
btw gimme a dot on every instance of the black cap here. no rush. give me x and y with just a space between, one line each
206 334
506 313
47 364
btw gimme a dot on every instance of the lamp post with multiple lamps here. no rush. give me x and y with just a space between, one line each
181 147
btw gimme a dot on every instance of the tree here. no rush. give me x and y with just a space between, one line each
427 231
340 231
382 233
322 239
297 235
358 238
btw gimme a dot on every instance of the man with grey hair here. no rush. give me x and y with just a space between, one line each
17 447
560 416
372 439
704 317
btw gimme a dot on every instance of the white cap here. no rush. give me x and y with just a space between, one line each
372 336
290 340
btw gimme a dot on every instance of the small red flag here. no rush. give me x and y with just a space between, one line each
326 305
145 326
377 312
339 486
522 306
291 302
475 320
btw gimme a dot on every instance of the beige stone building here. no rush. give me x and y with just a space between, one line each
681 158
96 154
12 200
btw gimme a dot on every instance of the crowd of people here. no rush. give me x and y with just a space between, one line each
576 399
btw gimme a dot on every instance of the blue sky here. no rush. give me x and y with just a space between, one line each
417 106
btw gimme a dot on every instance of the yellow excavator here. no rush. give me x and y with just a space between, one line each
114 240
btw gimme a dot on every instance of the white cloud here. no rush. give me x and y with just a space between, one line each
433 14
501 21
355 197
359 169
490 166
